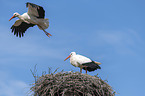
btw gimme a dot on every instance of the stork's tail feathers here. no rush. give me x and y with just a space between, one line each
98 63
46 19
44 24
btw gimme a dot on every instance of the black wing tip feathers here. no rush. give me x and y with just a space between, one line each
17 31
32 4
40 9
27 4
20 30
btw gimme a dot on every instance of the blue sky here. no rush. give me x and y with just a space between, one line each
108 31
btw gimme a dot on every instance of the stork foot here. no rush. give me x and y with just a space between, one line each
48 34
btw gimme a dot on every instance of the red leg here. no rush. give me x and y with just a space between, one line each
81 69
48 34
86 69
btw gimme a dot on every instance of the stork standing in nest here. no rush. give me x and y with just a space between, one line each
83 62
34 16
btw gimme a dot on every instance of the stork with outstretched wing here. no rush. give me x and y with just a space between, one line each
34 16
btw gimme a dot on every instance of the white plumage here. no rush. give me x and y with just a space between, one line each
83 62
34 16
78 60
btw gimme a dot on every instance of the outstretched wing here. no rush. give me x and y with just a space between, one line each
35 10
20 27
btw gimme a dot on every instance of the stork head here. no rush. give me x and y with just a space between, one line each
71 54
14 15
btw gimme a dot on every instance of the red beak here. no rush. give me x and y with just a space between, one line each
12 18
67 57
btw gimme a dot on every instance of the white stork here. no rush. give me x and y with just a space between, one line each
34 16
83 62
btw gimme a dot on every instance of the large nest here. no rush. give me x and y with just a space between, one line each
71 84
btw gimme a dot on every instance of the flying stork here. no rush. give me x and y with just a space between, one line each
34 16
83 62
